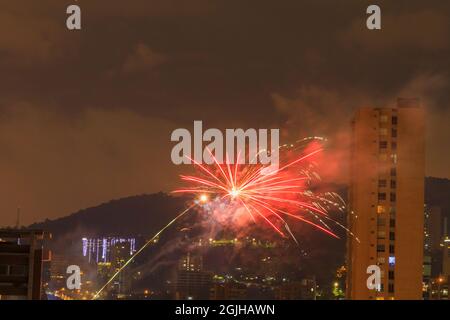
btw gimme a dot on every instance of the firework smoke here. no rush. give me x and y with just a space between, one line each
237 195
234 195
97 294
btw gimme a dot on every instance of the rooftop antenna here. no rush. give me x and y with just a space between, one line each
18 223
18 218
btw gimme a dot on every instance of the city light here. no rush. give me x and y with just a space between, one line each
314 167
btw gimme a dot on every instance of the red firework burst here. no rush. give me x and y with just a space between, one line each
270 196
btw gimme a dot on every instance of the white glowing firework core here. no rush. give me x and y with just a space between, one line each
234 192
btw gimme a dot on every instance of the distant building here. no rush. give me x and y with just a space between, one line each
58 266
433 228
432 256
97 250
191 262
439 289
426 275
297 290
229 290
192 283
445 252
21 256
386 201
121 285
103 271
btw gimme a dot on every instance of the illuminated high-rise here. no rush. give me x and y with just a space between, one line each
99 249
386 201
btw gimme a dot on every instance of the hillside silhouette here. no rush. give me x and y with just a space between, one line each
135 215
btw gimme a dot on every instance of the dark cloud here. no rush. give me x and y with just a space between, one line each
141 59
85 115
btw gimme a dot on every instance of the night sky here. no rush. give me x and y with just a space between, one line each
86 116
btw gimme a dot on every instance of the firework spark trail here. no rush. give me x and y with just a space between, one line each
270 196
141 249
261 195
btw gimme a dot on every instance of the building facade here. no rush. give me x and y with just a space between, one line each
386 201
192 282
21 257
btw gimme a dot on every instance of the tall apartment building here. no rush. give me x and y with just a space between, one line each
386 201
120 253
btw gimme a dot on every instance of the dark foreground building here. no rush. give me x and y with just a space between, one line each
21 256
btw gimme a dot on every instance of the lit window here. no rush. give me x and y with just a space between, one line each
394 158
381 209
383 131
383 118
